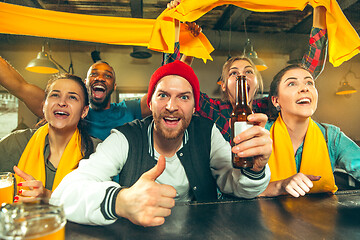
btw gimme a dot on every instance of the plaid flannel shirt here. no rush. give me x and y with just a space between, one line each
314 58
169 58
220 111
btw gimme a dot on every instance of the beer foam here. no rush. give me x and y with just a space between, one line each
5 183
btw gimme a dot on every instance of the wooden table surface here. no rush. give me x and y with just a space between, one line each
317 216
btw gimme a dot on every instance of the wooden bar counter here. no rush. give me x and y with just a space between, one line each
317 216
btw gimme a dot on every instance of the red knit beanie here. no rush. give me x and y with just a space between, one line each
175 68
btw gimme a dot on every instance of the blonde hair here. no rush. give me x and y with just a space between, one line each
225 75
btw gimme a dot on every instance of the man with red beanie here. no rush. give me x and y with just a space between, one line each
170 156
178 68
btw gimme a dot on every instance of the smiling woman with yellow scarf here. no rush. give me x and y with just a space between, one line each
43 157
305 152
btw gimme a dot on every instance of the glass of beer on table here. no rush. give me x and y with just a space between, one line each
37 220
6 187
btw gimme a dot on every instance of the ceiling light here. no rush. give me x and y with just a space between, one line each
95 56
42 64
252 55
345 88
140 52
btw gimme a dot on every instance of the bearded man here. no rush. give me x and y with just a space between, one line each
104 115
170 156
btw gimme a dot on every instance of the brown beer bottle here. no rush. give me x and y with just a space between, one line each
239 121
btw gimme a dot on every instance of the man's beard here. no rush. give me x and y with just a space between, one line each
100 105
170 134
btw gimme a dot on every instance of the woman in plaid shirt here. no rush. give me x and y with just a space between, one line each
219 111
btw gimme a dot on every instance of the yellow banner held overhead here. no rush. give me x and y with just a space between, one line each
344 42
22 20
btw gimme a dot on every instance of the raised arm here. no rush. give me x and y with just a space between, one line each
166 58
192 27
145 110
319 17
30 94
314 58
195 30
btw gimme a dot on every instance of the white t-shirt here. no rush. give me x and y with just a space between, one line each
83 190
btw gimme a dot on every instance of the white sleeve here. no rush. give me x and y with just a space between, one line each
88 193
240 183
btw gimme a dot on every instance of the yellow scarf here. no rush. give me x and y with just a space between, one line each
315 157
32 160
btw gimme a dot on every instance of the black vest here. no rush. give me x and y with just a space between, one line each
194 156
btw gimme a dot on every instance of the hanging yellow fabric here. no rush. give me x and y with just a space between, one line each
315 157
162 39
32 160
21 20
344 42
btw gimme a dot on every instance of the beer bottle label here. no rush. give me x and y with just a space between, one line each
239 127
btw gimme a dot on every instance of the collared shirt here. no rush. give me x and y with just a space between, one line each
50 169
13 145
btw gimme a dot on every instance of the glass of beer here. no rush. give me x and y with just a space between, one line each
6 187
37 220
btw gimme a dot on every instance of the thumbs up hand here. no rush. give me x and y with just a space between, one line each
147 203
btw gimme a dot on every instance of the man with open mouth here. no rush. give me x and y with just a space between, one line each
104 115
191 159
100 82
